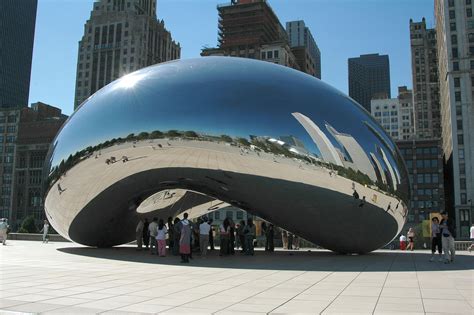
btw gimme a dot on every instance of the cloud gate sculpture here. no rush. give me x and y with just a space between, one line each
203 133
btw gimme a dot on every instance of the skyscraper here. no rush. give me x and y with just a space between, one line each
424 61
304 48
120 37
369 77
455 45
17 31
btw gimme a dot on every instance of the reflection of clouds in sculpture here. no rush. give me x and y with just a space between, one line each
214 132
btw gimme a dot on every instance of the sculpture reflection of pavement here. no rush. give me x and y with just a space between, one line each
85 185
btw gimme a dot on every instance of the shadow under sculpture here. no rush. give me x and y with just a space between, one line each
195 135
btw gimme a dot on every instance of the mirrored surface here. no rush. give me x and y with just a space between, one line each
268 139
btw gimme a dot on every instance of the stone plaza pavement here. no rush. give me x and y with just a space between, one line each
65 278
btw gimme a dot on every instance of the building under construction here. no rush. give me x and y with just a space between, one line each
244 27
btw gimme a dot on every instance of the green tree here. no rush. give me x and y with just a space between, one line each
28 225
143 135
243 141
190 134
156 134
226 138
173 133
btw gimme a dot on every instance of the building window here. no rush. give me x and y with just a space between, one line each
452 26
462 168
270 54
463 198
468 2
457 96
469 12
455 66
457 82
472 64
264 55
471 37
240 215
454 39
459 124
451 3
452 14
435 178
461 153
229 215
420 179
460 140
217 215
276 53
462 183
471 50
455 52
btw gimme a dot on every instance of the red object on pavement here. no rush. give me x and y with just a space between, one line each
403 245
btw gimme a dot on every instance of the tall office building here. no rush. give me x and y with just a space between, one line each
304 48
17 32
455 45
424 59
369 77
120 37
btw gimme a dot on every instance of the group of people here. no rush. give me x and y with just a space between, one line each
183 236
290 241
4 231
443 234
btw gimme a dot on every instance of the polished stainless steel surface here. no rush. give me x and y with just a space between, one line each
202 133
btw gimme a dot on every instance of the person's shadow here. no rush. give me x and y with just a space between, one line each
315 260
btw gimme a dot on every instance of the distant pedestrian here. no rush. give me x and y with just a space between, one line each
296 242
204 229
176 236
231 237
249 232
152 229
211 235
270 238
224 231
355 194
362 202
290 241
139 234
472 238
3 231
263 227
448 234
161 238
241 236
146 233
45 231
435 239
60 189
170 233
403 242
284 239
185 239
411 239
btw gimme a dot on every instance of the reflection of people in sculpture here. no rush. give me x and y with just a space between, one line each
355 194
389 207
284 239
60 189
362 202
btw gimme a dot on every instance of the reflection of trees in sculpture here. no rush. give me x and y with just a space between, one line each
258 144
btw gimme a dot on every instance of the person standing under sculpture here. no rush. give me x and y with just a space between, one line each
250 232
45 231
139 234
152 229
263 227
161 238
284 239
185 239
211 236
176 236
290 241
241 235
170 233
224 237
146 233
204 228
435 239
231 237
270 238
296 242
448 233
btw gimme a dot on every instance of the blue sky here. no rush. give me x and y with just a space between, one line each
342 29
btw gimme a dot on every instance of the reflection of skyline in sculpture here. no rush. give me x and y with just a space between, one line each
355 152
379 169
393 177
295 145
328 152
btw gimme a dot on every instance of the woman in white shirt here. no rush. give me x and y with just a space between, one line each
161 238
